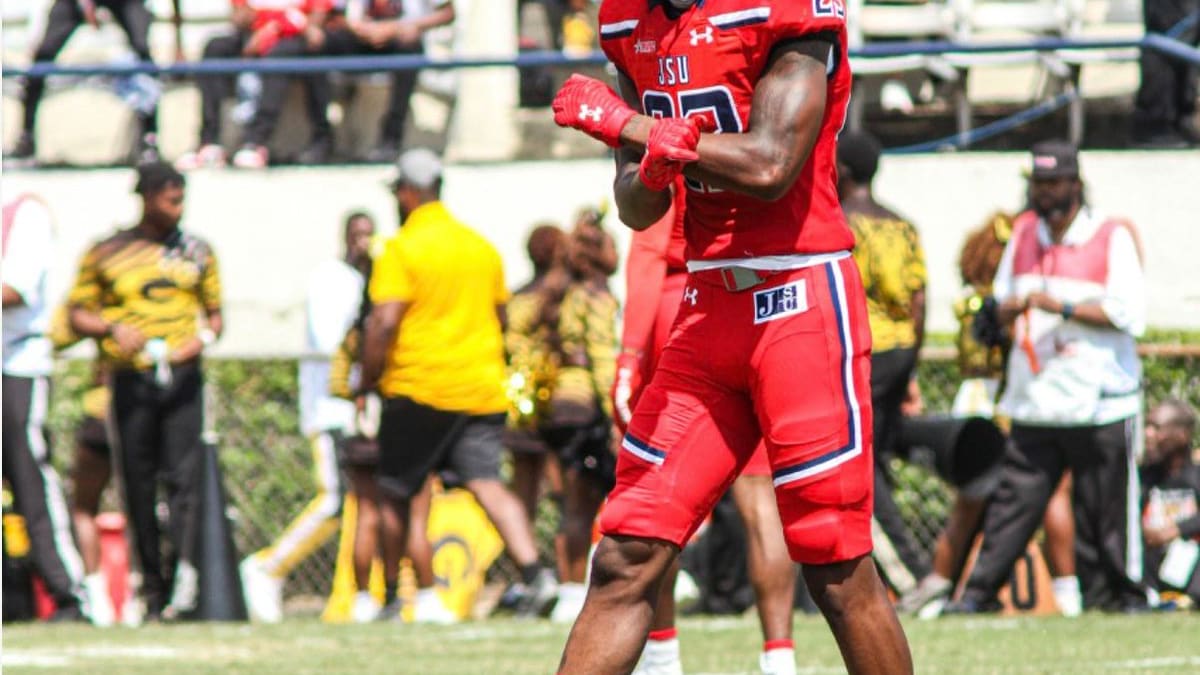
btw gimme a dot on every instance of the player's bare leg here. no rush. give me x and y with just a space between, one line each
851 596
660 655
1059 522
627 574
772 572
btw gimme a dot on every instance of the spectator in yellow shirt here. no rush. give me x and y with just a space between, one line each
434 350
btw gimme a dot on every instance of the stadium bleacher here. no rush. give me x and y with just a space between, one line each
927 90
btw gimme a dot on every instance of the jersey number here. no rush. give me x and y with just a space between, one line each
714 103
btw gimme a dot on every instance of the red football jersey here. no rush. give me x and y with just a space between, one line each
676 253
706 61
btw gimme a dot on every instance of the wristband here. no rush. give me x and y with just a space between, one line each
1067 311
207 337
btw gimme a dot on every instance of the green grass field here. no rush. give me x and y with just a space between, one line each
1160 643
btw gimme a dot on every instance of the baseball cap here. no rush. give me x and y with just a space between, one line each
1053 159
418 167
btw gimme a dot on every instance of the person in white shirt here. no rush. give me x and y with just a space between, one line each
335 293
1070 285
28 249
378 27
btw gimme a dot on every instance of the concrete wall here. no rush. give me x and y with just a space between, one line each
270 229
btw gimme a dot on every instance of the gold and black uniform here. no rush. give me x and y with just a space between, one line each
159 287
581 410
532 370
164 288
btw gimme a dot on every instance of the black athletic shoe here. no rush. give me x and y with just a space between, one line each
67 614
1189 131
390 611
969 606
318 152
25 147
538 597
385 153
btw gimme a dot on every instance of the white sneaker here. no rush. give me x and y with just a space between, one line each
570 602
430 608
778 662
96 587
263 592
365 607
251 157
659 658
208 156
133 608
1067 596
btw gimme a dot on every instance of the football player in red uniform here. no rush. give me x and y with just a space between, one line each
771 340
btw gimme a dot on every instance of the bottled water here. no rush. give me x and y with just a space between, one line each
249 89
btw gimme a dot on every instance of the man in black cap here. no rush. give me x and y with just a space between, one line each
434 351
1070 285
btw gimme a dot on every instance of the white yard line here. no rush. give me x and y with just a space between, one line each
1155 662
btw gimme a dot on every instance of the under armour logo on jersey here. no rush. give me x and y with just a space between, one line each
697 36
689 295
781 301
585 112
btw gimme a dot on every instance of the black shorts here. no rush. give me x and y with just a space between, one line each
416 440
357 451
93 435
525 442
585 449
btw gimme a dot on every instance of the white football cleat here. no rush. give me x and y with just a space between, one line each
430 609
263 592
365 608
95 586
778 662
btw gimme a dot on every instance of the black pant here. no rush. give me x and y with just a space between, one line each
158 436
65 17
214 89
898 554
342 42
37 493
1167 94
1099 459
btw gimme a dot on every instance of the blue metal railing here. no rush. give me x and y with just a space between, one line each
362 64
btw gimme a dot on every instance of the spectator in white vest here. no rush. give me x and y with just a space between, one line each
1070 285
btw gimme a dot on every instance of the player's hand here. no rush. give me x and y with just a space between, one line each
670 146
262 41
406 33
589 105
314 38
1044 302
913 404
88 7
1160 536
130 340
626 385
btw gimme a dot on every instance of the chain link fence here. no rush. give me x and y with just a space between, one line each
268 471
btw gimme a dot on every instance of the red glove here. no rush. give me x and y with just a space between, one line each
626 387
670 145
591 106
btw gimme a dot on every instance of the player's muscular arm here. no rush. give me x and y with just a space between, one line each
785 119
382 325
638 206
